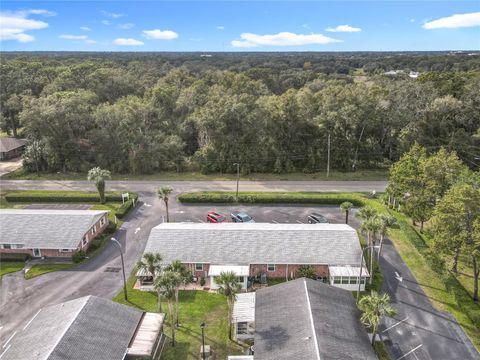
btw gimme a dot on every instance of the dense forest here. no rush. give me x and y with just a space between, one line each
270 112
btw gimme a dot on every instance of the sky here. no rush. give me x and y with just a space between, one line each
384 25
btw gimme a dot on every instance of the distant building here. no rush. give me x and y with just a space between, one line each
88 328
49 233
11 148
259 250
302 319
414 74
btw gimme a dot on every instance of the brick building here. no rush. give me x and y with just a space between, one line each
259 250
49 233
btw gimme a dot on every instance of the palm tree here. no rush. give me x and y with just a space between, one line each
229 286
163 194
184 275
366 212
152 264
165 285
346 207
99 176
386 222
371 226
374 308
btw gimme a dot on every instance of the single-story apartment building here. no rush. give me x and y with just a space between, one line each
11 147
88 328
302 319
49 233
258 250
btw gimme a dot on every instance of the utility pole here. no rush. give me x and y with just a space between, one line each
328 155
238 178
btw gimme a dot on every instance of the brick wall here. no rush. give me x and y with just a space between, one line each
198 273
57 253
280 270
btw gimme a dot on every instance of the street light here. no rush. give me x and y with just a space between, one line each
238 177
123 268
202 325
361 268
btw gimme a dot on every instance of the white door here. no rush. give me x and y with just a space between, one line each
37 253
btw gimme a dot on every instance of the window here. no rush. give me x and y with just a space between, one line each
102 221
65 250
270 267
336 280
344 279
7 246
84 241
240 279
93 230
198 267
242 328
353 280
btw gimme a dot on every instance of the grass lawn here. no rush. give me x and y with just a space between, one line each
7 267
41 269
377 174
195 307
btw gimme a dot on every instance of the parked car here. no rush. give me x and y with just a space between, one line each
213 217
241 217
315 218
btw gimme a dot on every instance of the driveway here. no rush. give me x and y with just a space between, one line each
10 165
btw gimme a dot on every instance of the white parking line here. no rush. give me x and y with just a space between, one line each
198 220
4 351
411 351
398 323
298 221
10 338
276 222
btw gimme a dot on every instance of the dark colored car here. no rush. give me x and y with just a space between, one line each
241 217
315 218
213 217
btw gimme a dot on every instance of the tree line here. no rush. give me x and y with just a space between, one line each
270 113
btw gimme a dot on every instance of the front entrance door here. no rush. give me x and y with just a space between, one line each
37 253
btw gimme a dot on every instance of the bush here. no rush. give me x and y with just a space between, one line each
111 228
307 271
123 209
14 257
79 256
202 281
270 198
63 196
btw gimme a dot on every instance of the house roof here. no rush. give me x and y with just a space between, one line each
46 229
256 243
307 319
244 308
9 143
84 328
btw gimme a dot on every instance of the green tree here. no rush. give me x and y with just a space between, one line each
346 206
453 225
99 176
371 226
164 194
185 276
229 286
165 284
151 263
307 271
375 307
386 222
366 213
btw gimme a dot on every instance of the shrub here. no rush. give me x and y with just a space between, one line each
123 209
79 256
202 281
63 196
14 257
307 271
111 228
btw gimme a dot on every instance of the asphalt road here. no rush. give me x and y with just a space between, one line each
418 332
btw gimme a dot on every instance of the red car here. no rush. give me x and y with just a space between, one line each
214 217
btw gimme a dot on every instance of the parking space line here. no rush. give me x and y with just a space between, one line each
276 222
411 351
398 323
298 221
10 338
198 220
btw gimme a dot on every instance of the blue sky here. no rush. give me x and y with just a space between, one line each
240 26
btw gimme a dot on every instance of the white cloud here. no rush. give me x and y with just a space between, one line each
127 42
13 26
281 39
412 20
220 27
126 26
112 15
106 22
90 41
73 37
158 34
85 28
454 21
39 12
343 28
305 26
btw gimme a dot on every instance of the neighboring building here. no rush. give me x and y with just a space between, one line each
49 233
257 250
88 328
306 319
11 147
243 316
414 74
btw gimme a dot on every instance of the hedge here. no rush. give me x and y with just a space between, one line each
63 196
14 257
124 209
271 198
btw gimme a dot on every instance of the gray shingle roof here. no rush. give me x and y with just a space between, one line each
306 319
84 328
46 229
8 143
256 243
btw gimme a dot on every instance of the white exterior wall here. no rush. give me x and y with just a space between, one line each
350 287
214 285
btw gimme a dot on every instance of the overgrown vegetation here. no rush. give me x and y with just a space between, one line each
269 113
